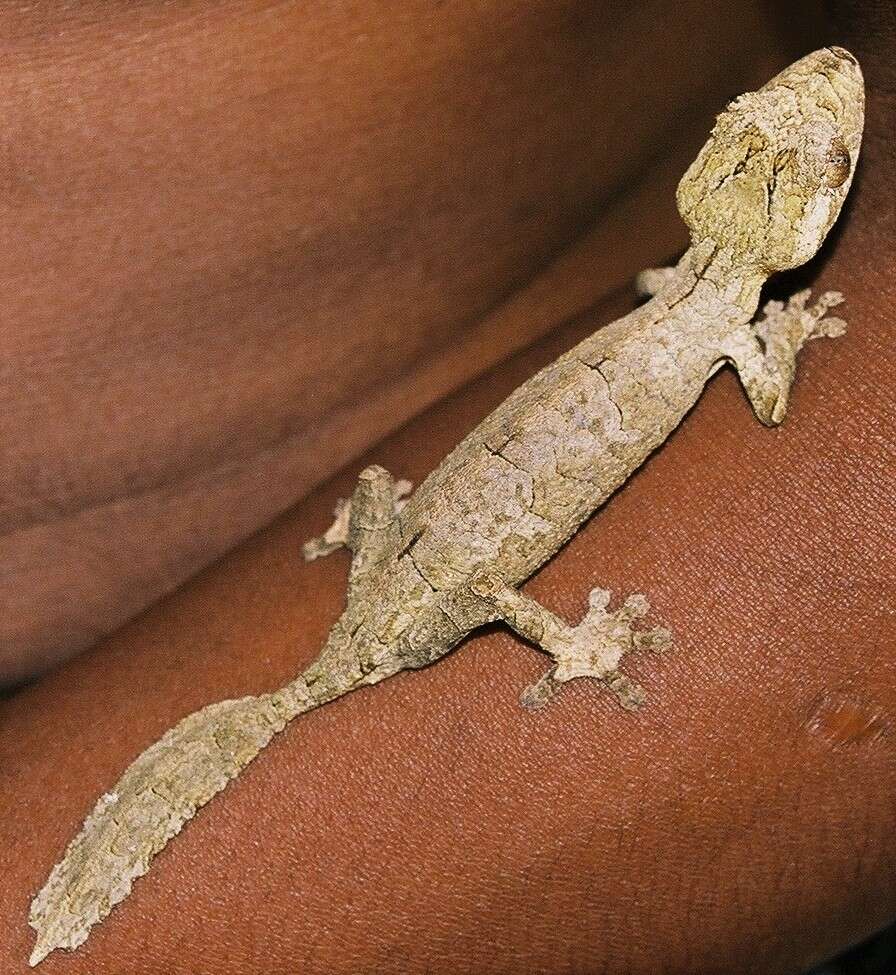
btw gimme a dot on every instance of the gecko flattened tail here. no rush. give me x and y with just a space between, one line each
158 793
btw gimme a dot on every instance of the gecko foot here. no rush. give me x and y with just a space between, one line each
334 537
796 323
765 352
594 649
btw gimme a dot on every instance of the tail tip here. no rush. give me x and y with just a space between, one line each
41 950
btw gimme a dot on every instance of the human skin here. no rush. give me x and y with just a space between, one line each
742 821
244 240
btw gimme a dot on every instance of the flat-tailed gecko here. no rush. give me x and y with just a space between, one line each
760 197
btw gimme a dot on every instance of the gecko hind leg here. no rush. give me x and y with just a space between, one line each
366 524
593 648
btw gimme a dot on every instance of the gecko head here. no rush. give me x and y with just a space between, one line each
771 179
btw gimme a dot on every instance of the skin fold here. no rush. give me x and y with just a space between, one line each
746 824
243 240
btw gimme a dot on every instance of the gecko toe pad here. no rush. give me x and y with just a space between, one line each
813 321
595 648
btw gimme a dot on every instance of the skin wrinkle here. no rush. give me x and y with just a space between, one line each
592 206
163 266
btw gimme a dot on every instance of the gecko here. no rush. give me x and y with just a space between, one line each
428 569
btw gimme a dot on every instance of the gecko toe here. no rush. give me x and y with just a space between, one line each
537 695
629 694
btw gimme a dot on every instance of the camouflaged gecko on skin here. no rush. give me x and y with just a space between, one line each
760 197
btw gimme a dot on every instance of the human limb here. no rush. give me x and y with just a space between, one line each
744 824
731 777
218 364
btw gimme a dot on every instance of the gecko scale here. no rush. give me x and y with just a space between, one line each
760 197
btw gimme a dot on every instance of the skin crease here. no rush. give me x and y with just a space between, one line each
442 828
217 216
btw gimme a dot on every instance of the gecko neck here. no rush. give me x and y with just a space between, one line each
706 270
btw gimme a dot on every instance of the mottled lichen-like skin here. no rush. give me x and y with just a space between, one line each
760 197
780 161
514 490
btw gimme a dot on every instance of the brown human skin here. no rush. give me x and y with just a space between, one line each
242 241
743 821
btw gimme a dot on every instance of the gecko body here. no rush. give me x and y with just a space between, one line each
760 198
520 485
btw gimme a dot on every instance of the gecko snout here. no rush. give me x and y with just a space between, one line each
828 90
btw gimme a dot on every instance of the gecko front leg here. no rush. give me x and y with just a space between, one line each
593 648
652 280
764 352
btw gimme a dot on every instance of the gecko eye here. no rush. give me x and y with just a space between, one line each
838 164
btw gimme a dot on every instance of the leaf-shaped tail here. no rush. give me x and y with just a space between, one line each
157 794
